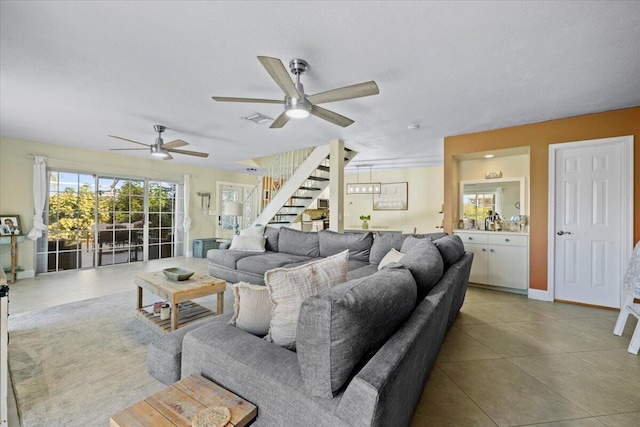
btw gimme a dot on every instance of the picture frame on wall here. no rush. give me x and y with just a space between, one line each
394 196
10 224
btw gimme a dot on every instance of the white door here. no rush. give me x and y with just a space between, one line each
589 221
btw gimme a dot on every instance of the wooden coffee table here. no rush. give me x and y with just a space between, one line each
177 404
179 295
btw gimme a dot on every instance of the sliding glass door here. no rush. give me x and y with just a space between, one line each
96 220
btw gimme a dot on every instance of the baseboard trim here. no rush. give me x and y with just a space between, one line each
539 294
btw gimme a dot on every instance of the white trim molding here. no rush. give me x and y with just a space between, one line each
539 294
626 207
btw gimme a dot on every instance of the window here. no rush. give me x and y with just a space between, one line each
102 220
476 206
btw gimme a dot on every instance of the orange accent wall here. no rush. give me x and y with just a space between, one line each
538 136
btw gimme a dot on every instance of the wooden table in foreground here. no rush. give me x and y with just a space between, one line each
177 404
179 295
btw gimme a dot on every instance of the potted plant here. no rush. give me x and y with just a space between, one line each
365 221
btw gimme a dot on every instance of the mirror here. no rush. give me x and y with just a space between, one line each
506 196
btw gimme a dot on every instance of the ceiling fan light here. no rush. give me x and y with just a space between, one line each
297 113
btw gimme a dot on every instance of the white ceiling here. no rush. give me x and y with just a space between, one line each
73 72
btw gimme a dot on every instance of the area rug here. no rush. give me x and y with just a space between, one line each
77 364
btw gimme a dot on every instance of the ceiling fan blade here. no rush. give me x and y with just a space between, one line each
167 157
280 75
130 140
280 121
128 149
330 116
175 144
348 92
254 100
187 152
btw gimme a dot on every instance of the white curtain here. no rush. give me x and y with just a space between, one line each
39 197
187 214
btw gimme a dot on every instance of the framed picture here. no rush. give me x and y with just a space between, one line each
10 224
394 196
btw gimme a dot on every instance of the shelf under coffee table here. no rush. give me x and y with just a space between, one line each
179 294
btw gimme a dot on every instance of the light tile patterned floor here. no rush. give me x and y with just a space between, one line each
506 361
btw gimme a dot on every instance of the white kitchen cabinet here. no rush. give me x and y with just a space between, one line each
499 258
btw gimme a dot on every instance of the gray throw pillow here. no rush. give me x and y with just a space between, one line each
425 264
383 243
359 244
451 248
340 326
299 242
410 242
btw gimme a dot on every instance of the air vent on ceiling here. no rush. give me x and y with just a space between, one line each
258 118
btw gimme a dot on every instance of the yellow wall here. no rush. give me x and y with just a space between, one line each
425 200
537 137
16 182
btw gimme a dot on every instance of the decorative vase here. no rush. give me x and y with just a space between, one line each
365 224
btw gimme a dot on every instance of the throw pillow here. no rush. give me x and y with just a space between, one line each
392 256
248 243
289 287
258 230
410 242
251 308
425 264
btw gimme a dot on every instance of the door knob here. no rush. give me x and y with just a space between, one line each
560 233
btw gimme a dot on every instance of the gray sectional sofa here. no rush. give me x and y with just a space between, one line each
286 247
364 348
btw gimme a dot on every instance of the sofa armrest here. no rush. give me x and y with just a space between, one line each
387 389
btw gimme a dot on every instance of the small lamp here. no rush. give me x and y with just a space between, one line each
233 209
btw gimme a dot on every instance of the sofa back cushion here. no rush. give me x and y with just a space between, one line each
271 233
425 264
384 242
288 287
359 244
340 326
298 242
451 248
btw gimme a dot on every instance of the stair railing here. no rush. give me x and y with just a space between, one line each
277 173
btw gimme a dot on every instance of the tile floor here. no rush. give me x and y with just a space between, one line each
506 361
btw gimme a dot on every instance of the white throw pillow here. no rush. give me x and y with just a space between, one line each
248 243
288 287
258 230
251 308
392 256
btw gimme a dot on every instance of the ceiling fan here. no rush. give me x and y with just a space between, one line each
297 104
160 149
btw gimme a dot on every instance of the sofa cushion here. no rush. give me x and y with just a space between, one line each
339 326
272 234
229 258
451 248
392 256
288 287
248 243
269 261
410 242
251 308
359 244
425 264
299 242
383 243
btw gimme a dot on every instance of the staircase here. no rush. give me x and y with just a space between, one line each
288 186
